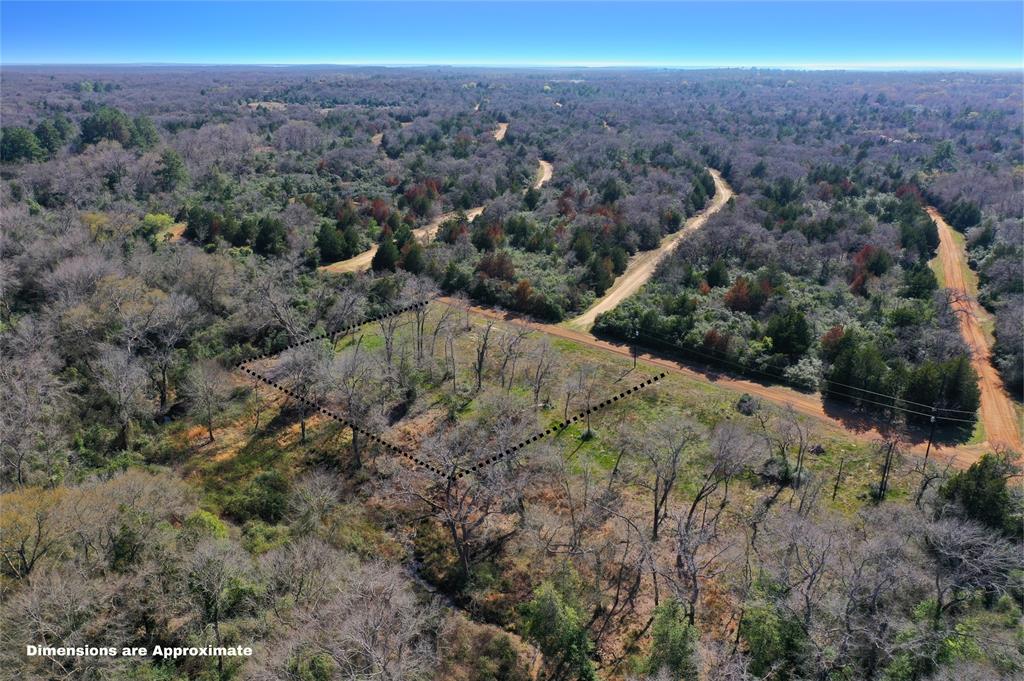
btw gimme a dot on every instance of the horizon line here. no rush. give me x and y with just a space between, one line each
823 66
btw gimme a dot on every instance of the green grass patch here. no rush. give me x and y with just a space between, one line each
978 435
940 273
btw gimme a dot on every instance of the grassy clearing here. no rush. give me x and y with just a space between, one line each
240 453
978 434
707 405
940 273
969 275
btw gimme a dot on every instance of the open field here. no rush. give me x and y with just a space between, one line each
448 393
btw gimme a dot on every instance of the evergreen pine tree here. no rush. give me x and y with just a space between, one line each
386 257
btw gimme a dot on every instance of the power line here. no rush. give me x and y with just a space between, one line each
783 379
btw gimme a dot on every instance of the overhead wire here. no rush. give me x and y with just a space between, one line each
781 378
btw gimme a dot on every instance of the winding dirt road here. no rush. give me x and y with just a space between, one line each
426 232
642 265
544 175
995 404
997 412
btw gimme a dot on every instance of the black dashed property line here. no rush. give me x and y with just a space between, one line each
560 426
331 335
373 437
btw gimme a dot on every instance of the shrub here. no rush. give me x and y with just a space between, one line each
982 494
203 525
673 644
717 274
266 497
553 620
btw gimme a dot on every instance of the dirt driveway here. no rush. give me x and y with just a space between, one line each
997 412
546 171
642 265
426 232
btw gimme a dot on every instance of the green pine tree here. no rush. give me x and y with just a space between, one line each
673 644
413 260
386 257
172 173
554 622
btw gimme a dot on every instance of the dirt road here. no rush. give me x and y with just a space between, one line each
546 171
807 404
425 233
175 233
642 265
997 412
499 134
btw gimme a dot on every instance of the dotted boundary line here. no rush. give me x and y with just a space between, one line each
344 421
332 335
394 449
560 426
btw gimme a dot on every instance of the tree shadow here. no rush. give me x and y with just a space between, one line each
861 420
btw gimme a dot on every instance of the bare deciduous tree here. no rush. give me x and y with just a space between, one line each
367 621
389 327
476 510
314 499
123 379
206 388
213 572
510 346
658 458
965 558
308 371
174 318
358 387
543 359
732 451
34 405
482 344
348 309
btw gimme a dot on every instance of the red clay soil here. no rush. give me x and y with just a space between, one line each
997 412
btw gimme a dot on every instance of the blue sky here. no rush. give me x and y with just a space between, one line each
974 35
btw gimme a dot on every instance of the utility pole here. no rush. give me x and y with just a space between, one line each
883 485
931 435
636 339
839 477
933 419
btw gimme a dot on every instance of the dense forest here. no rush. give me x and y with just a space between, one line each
818 276
495 514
